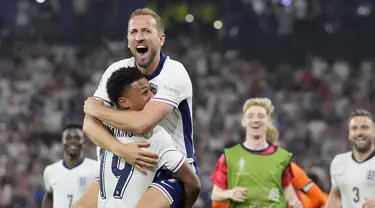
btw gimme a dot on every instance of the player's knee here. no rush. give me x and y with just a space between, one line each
193 188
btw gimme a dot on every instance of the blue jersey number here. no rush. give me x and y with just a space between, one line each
123 175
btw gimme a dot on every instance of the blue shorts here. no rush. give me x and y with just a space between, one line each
173 189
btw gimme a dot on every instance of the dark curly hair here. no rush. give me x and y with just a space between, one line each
120 81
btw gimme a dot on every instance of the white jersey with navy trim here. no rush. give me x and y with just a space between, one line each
68 185
120 184
171 84
354 180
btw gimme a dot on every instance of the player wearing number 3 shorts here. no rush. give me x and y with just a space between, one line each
353 173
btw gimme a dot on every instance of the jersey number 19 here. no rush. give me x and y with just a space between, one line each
123 175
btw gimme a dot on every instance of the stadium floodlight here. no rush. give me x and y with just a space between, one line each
189 18
218 24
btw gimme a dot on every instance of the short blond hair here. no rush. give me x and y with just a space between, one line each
272 133
152 13
262 102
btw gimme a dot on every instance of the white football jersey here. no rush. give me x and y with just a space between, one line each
171 84
121 185
68 185
354 180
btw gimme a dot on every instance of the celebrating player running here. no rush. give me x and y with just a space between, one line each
255 173
353 173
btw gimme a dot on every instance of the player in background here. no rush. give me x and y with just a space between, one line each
241 174
353 173
172 87
307 191
66 180
128 89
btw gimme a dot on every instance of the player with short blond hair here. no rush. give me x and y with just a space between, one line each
255 173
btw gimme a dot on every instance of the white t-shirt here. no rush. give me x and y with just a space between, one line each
354 180
68 185
120 184
171 84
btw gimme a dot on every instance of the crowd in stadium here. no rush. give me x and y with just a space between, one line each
44 83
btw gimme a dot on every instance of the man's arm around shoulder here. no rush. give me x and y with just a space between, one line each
138 122
99 135
131 152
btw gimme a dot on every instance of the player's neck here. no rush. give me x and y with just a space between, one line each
150 69
72 161
359 157
255 144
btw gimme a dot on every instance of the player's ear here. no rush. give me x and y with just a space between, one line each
161 40
123 102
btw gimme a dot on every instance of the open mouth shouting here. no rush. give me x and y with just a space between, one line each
142 51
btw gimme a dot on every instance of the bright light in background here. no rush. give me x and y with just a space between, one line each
40 1
189 18
364 10
286 3
218 24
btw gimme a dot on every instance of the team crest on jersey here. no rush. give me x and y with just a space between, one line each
370 175
153 88
82 182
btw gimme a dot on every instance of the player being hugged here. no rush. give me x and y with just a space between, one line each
255 173
353 173
120 184
171 107
66 180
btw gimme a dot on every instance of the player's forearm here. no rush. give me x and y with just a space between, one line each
334 199
98 134
47 201
89 199
191 195
290 193
333 203
129 121
219 194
